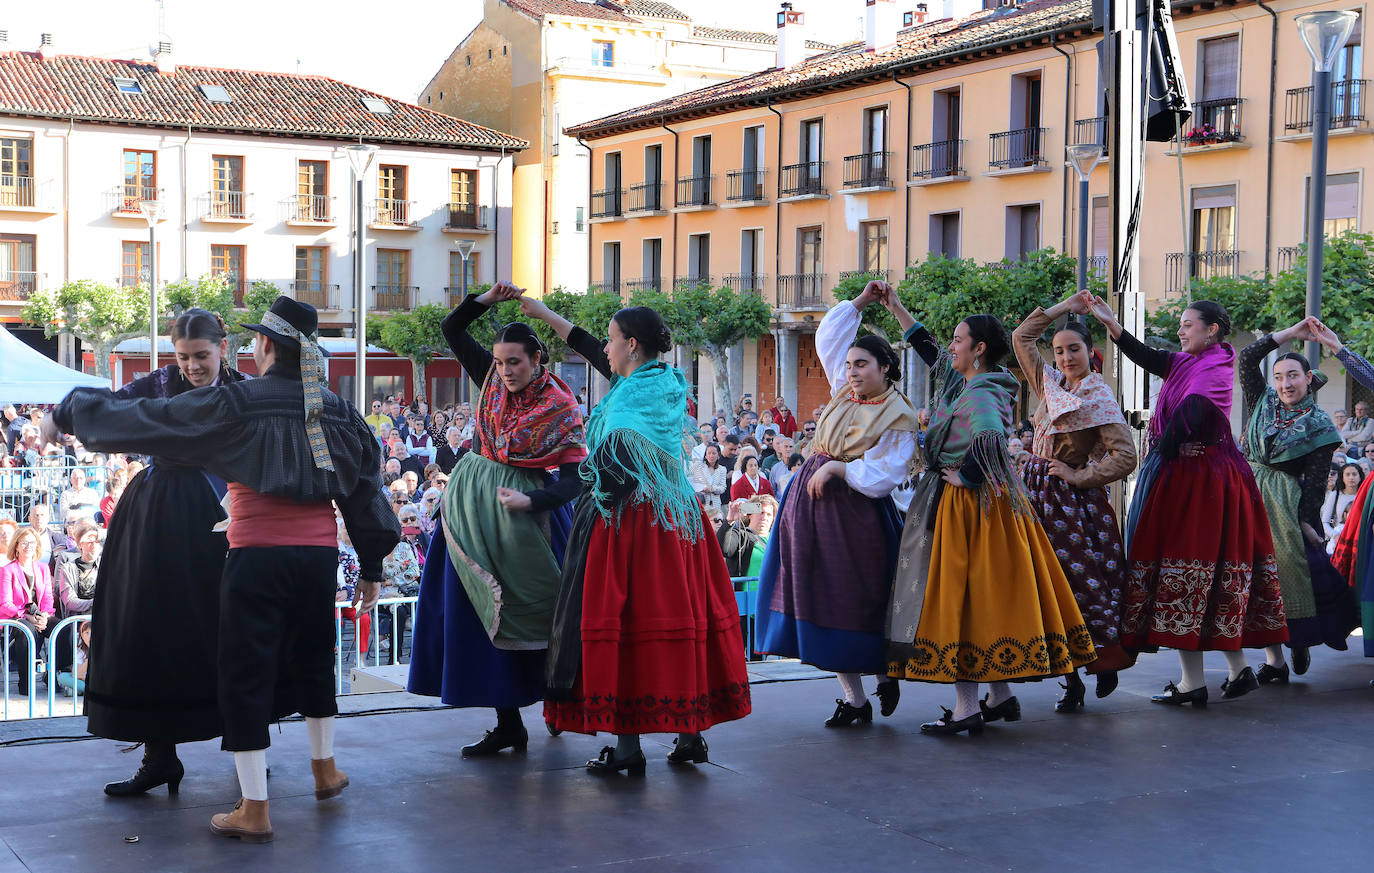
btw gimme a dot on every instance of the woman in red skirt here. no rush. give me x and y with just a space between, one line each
1203 575
646 635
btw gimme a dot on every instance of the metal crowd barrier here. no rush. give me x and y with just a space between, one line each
5 626
392 604
77 683
22 487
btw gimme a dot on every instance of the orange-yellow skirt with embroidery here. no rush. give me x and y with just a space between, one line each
994 602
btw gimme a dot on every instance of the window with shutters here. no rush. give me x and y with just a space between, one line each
16 171
1214 219
873 246
944 234
226 186
698 258
1216 114
1342 204
312 191
136 263
456 270
227 261
1022 231
18 279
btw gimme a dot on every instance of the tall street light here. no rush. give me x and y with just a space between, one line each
465 247
1084 157
152 213
1324 35
359 158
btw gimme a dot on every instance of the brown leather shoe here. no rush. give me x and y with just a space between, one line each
330 781
248 822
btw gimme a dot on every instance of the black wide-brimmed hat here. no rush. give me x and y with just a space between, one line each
301 316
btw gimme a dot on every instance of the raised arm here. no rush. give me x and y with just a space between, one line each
1023 342
586 345
1154 361
1251 366
474 358
1359 369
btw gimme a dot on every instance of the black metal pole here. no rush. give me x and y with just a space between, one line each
1316 201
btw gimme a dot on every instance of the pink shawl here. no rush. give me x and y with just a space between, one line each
1210 374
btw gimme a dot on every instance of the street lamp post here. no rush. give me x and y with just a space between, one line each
1084 157
465 251
1324 35
359 158
152 213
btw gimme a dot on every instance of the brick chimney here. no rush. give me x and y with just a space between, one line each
919 16
880 25
162 56
45 46
791 37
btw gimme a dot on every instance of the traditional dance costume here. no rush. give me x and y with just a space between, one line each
1083 428
1354 555
827 574
979 595
646 635
1203 575
1290 451
491 580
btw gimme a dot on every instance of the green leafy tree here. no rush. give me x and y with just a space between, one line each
1347 287
100 315
216 294
710 321
418 336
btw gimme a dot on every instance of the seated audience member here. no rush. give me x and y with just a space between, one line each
402 455
73 680
26 596
452 449
1359 428
751 482
119 480
729 451
79 500
783 447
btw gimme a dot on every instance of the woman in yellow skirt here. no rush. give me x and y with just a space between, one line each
979 595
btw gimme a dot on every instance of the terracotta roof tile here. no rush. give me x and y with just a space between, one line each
757 36
651 9
915 45
71 86
569 8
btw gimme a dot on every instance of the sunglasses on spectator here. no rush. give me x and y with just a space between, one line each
400 501
1369 450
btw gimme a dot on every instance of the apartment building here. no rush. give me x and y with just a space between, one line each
249 180
533 67
948 136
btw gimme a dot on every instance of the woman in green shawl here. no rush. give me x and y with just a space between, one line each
646 635
1289 442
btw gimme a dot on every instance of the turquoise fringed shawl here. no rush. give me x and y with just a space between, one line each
640 425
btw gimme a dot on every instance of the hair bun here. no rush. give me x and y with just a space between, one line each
665 340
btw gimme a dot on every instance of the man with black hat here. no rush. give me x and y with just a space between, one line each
290 450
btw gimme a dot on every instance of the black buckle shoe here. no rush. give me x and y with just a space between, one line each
1173 697
155 770
1267 674
1107 681
845 715
947 725
1240 686
889 693
1073 694
1007 710
1302 659
691 752
494 741
607 763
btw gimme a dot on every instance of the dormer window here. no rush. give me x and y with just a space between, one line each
127 86
215 93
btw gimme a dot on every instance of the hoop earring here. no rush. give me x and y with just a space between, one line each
634 356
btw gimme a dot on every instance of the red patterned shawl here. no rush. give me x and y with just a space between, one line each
537 428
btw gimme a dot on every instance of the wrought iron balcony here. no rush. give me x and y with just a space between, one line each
317 294
1215 121
801 291
16 191
654 283
467 216
938 160
19 284
1181 268
394 298
126 201
868 170
1287 257
308 209
608 203
1347 107
746 186
647 197
1016 149
803 180
699 281
388 212
225 206
746 281
866 275
695 190
604 288
1091 130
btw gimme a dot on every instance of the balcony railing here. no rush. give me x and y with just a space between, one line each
1180 268
1287 256
801 180
453 295
225 206
1215 121
1091 130
608 203
695 190
1347 106
699 281
1016 149
467 216
746 281
652 284
604 288
390 212
1099 267
647 197
394 298
317 294
19 284
938 160
746 186
16 191
801 291
866 275
868 170
128 200
308 209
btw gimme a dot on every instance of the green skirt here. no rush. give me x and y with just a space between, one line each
1281 493
503 558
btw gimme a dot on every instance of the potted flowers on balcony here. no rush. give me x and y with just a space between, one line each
1208 134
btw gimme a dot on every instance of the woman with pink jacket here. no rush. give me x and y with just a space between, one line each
26 596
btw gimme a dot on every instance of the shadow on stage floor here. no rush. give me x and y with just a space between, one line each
1281 779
